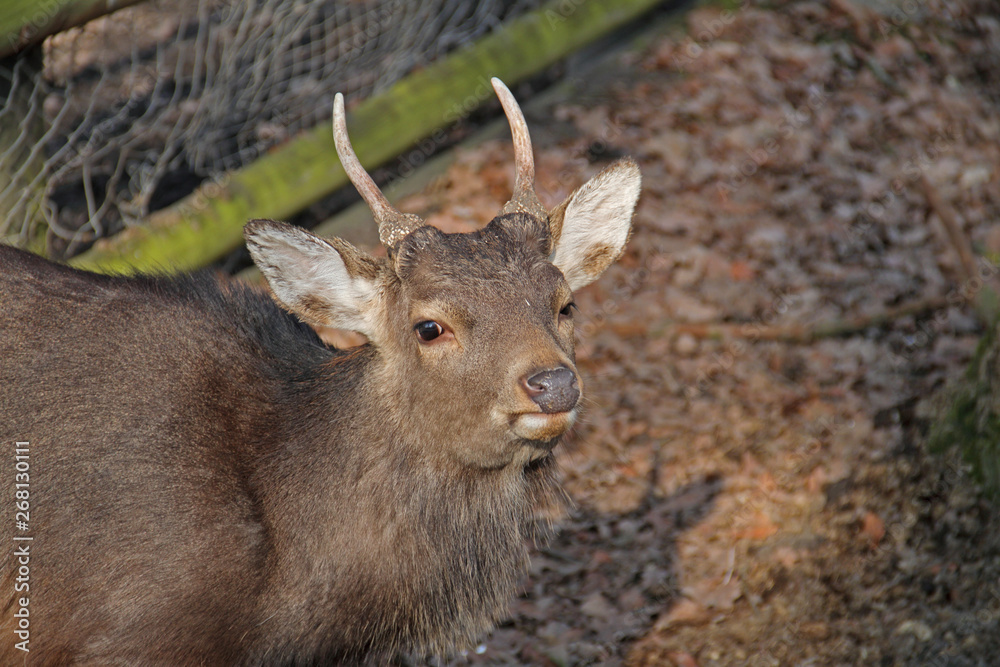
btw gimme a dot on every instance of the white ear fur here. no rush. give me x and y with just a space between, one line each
325 282
596 223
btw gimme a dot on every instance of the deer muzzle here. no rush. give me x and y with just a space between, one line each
555 390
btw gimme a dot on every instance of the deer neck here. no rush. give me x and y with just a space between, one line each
402 542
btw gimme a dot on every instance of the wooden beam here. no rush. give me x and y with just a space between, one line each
24 23
208 223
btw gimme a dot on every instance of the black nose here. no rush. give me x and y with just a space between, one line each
553 391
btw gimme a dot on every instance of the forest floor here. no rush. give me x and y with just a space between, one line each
750 481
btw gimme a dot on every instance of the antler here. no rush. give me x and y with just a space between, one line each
524 199
392 225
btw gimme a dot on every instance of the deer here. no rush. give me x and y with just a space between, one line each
204 481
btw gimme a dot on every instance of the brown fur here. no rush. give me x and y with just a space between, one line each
598 258
211 485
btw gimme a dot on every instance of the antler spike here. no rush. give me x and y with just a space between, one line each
392 225
524 199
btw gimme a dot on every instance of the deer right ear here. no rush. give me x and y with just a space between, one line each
590 228
326 282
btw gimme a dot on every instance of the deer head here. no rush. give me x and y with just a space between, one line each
474 332
282 502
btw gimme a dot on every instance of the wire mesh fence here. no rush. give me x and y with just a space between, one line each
131 111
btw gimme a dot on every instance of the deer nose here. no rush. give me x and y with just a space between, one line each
554 390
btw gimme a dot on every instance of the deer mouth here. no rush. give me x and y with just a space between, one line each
542 425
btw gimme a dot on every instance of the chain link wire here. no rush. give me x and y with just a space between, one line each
131 111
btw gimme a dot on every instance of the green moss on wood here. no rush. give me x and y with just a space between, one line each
27 22
209 223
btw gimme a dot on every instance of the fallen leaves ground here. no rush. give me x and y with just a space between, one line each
750 482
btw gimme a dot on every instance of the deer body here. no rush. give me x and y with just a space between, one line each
210 484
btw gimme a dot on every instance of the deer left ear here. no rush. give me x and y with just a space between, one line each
590 229
326 282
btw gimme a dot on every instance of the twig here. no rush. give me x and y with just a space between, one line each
881 74
984 298
952 227
862 18
800 333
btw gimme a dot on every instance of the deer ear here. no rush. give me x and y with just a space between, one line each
325 282
590 228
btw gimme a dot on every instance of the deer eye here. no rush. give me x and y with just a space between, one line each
567 310
428 330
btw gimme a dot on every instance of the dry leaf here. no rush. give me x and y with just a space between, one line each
873 528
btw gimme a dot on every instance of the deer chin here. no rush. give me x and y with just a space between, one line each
542 426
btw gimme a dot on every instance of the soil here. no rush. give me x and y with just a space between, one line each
750 483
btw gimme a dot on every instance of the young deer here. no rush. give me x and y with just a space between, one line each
210 484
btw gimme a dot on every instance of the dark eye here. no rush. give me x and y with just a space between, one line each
567 310
428 330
